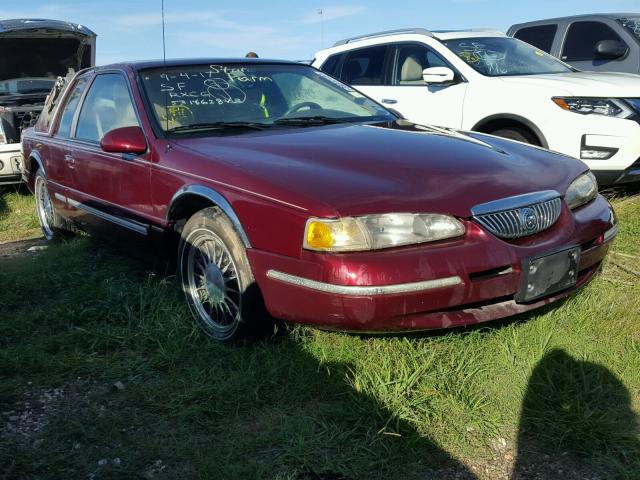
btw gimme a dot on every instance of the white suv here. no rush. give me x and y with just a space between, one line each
487 82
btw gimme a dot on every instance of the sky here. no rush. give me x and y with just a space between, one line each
290 29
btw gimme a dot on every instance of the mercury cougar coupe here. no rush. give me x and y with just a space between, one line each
283 191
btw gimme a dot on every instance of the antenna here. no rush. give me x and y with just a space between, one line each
321 13
164 48
164 61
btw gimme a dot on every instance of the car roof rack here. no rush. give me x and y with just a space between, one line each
419 31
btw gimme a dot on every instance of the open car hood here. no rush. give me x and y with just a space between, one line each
37 49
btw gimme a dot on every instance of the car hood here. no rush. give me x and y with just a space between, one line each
37 48
587 84
357 169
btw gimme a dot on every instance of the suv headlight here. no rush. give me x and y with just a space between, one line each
609 107
373 232
582 190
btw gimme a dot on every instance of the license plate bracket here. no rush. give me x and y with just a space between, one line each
548 273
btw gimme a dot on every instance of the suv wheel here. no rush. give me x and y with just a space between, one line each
53 225
216 278
514 134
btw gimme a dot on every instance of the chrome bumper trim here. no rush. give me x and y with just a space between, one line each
364 290
611 233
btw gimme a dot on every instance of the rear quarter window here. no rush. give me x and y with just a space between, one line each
540 36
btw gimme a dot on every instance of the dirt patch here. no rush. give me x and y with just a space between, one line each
22 247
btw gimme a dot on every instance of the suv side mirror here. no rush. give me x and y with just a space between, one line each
610 49
437 75
124 140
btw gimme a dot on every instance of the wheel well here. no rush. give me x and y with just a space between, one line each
185 207
493 124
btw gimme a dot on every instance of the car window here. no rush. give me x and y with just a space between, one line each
411 60
582 38
64 128
331 65
108 105
540 36
364 66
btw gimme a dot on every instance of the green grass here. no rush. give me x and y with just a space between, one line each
18 220
563 382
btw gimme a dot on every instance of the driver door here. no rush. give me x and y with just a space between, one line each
109 189
434 104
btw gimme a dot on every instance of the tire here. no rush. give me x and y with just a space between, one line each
53 226
514 134
216 278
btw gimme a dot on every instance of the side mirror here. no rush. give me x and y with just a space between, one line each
437 75
124 140
610 49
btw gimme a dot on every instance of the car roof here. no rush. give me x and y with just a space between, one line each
439 34
182 62
17 24
583 17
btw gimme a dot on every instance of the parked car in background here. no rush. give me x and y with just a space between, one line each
33 53
278 186
602 42
487 82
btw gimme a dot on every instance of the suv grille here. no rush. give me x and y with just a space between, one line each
520 216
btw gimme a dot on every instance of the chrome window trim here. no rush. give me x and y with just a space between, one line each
372 290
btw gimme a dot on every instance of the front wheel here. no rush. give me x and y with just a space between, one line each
216 278
514 134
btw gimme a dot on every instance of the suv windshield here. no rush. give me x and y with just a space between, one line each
632 24
207 98
504 56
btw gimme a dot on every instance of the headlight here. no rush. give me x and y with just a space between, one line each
609 107
372 232
582 190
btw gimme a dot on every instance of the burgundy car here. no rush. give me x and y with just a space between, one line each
281 188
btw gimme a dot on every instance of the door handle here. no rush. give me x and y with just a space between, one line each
389 101
71 162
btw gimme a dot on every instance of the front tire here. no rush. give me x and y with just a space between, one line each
216 278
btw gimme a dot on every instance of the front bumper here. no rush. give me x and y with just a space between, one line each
452 283
570 133
10 164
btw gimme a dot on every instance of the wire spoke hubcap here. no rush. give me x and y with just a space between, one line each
44 206
213 283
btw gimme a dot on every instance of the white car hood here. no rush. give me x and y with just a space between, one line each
582 84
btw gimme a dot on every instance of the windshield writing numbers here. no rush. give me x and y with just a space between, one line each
218 85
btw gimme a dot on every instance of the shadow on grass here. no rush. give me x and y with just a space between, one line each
574 406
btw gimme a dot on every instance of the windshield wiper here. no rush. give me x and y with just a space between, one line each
216 125
314 120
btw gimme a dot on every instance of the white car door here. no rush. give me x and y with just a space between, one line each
407 93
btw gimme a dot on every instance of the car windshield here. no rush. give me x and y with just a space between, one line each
632 24
210 98
505 56
22 86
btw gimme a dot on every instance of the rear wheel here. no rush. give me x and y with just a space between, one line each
514 134
53 226
216 278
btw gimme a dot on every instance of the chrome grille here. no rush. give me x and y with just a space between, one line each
520 216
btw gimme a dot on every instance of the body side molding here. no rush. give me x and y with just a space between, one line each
217 199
